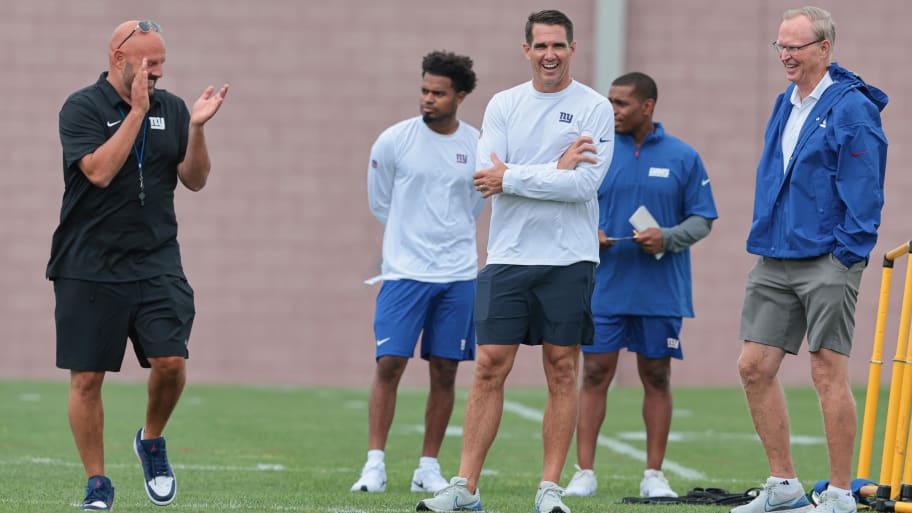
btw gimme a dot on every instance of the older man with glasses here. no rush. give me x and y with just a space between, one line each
115 261
819 194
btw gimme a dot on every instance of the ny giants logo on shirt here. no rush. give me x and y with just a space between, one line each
156 123
462 158
565 118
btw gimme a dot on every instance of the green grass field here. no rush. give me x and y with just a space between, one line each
275 449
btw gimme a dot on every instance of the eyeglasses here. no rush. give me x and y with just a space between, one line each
792 50
144 26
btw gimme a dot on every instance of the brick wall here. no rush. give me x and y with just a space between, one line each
278 243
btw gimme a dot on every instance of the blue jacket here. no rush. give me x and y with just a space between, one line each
830 197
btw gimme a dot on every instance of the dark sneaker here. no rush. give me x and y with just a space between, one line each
99 494
161 486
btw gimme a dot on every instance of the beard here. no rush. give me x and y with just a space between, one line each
129 74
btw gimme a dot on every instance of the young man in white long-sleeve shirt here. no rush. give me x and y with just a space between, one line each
420 187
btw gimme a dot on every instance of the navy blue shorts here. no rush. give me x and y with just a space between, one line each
441 313
95 319
531 304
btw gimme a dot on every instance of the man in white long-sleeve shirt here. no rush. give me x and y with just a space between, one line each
420 187
537 283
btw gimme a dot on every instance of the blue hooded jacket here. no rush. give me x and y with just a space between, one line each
830 197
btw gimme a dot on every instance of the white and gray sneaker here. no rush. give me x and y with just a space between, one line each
427 478
830 502
548 499
776 496
455 497
373 478
583 483
654 484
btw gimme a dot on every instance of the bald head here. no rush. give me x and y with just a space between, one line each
131 43
134 29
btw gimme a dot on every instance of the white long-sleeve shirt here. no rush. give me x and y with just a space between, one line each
545 215
419 185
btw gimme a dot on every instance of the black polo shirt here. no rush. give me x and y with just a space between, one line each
104 233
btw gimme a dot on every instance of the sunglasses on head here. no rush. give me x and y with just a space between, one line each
143 26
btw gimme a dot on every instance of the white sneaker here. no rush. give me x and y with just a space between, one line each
455 497
583 483
830 502
773 497
373 478
548 499
427 478
654 484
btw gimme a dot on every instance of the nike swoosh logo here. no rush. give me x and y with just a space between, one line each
383 341
457 506
603 140
858 153
704 182
782 506
113 123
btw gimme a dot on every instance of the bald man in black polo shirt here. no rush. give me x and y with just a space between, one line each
115 260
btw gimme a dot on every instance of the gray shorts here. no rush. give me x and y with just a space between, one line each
531 304
786 298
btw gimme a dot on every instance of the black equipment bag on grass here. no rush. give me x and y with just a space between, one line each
700 496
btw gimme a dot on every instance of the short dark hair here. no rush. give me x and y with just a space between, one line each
458 68
549 17
644 87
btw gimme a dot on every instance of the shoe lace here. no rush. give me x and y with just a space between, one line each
158 462
661 479
555 490
96 494
444 491
578 473
828 497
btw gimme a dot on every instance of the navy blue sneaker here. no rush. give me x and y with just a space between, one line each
99 494
161 486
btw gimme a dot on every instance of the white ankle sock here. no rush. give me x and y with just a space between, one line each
375 456
844 495
427 461
788 484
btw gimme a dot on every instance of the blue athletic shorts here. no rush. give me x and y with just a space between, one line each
441 313
653 337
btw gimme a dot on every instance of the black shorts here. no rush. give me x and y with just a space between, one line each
94 320
531 304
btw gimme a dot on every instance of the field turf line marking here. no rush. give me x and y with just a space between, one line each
611 443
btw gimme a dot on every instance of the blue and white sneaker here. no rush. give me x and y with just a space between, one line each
777 496
161 486
99 494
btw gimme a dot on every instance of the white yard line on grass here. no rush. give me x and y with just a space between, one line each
612 444
261 467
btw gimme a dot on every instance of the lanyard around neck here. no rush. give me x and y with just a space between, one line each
140 153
